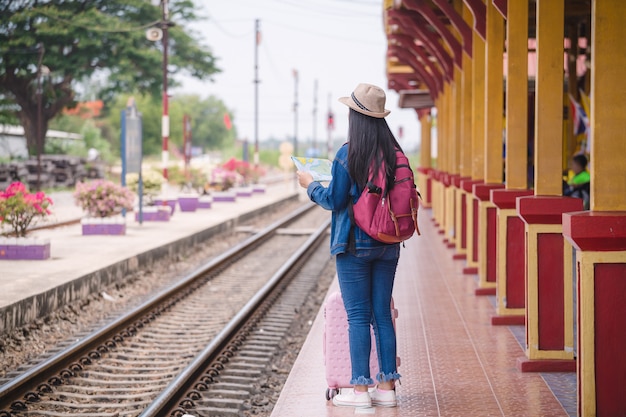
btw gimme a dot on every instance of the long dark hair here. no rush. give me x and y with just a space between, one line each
370 142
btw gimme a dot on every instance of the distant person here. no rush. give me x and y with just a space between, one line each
366 268
578 185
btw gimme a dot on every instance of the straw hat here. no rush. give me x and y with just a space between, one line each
368 100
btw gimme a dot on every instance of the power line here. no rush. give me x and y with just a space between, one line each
226 32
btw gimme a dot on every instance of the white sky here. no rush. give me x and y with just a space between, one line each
339 43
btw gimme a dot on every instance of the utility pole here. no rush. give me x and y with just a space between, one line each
38 143
165 120
187 144
295 113
314 140
330 126
257 41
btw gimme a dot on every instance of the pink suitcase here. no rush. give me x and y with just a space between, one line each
336 349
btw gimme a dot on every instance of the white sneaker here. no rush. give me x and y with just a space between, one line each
350 399
383 398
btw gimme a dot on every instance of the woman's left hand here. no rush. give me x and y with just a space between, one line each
304 178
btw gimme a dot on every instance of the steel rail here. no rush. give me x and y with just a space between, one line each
24 386
166 403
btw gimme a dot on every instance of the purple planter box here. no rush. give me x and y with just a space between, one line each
258 189
228 197
154 216
188 203
171 203
104 229
204 203
25 252
244 192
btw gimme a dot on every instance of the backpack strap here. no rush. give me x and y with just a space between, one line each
351 239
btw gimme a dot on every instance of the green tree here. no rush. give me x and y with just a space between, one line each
207 121
80 39
92 138
151 111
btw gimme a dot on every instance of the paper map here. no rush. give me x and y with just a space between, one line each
319 168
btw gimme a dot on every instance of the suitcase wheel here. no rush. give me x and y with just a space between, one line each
330 393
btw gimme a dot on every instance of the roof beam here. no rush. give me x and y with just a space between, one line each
429 15
459 24
407 42
410 22
479 11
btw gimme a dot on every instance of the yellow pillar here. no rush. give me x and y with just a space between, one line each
494 48
510 252
455 152
478 108
425 147
446 155
510 248
453 121
423 172
478 146
608 124
548 149
600 235
549 289
441 150
465 169
549 98
517 96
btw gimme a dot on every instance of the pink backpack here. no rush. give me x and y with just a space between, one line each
389 216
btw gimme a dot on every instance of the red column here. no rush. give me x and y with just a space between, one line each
600 242
471 223
460 223
511 259
426 186
487 242
549 289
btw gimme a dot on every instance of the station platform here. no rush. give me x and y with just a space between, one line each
83 264
454 362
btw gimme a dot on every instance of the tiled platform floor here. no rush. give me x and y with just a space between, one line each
454 362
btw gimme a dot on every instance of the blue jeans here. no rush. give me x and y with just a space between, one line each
366 281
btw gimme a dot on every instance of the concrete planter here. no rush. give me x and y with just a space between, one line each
188 202
228 196
115 226
155 214
24 248
205 202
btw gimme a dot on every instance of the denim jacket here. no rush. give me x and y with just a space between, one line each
336 197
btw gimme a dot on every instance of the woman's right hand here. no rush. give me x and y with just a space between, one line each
304 178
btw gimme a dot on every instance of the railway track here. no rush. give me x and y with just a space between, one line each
192 348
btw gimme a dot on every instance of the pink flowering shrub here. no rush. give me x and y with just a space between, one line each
249 173
103 198
222 179
18 208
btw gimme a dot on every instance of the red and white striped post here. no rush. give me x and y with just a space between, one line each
165 120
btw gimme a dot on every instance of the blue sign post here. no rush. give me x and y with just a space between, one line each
132 148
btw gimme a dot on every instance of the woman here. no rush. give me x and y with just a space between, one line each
366 268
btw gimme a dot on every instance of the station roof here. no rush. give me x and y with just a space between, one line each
426 40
